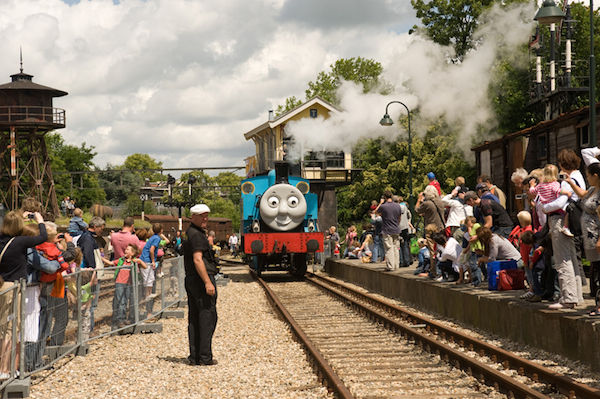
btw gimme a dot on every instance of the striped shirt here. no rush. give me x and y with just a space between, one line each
548 192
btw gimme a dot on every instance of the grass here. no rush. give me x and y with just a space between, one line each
113 223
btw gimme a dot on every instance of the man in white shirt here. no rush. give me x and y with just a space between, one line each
233 241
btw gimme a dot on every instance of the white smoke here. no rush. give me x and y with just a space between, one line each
423 78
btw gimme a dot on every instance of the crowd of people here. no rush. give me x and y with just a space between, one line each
555 233
32 249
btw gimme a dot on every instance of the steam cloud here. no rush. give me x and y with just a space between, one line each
424 78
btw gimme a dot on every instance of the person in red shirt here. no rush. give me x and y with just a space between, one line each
433 182
122 301
121 239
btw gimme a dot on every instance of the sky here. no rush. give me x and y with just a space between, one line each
183 80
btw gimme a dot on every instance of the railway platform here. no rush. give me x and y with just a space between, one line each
571 333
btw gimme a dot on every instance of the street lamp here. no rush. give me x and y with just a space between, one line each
387 121
550 14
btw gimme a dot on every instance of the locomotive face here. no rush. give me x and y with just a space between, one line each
282 207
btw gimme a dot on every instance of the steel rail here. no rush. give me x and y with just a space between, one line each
565 385
333 380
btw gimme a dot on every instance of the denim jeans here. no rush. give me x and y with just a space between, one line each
474 269
378 251
121 303
534 278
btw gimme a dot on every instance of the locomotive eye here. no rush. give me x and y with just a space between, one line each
273 202
293 201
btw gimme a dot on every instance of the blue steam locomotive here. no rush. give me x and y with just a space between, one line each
279 226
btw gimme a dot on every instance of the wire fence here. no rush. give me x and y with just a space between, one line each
42 323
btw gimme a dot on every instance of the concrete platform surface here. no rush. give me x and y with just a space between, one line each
571 333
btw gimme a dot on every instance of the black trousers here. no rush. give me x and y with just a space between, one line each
202 319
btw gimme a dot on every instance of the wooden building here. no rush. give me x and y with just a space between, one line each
325 170
531 148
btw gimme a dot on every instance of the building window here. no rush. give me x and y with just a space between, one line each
313 112
584 136
542 149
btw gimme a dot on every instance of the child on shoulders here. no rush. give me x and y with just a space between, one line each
76 225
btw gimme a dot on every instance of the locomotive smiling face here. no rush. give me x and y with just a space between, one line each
282 207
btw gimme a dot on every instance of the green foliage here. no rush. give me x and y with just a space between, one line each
452 22
133 206
221 193
143 161
509 91
290 103
385 166
119 184
364 71
70 158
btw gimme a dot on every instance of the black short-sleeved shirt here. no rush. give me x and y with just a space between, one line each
500 217
197 241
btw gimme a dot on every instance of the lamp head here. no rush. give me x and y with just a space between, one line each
549 13
386 121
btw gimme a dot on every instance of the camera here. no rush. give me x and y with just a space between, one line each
562 176
30 216
61 236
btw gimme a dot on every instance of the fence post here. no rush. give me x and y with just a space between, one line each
136 304
23 285
180 279
162 290
78 295
13 344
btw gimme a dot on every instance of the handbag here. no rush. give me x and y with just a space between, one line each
512 279
99 263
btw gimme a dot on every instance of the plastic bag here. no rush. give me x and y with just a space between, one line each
414 246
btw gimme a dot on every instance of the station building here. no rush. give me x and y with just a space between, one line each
325 170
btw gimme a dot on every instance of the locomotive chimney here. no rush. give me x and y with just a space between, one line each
282 172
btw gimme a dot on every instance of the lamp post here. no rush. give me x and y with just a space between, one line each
387 121
550 14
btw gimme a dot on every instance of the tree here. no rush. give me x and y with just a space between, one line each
364 71
84 188
290 103
360 70
385 166
452 22
143 161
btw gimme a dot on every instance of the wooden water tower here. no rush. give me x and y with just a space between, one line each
26 115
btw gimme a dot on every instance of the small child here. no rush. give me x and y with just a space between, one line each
122 302
424 257
471 252
549 190
76 225
534 266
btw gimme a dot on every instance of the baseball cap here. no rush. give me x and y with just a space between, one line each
430 175
199 209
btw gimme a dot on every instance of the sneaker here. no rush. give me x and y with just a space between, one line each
566 231
558 306
535 298
527 295
439 279
160 275
4 376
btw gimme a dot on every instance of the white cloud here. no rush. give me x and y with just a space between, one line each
183 80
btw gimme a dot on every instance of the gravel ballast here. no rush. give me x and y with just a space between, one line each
257 358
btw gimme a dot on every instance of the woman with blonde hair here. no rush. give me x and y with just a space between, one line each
365 252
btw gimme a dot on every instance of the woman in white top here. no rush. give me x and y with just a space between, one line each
458 209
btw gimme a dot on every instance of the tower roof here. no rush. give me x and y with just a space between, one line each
23 81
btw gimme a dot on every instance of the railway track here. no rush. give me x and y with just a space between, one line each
366 348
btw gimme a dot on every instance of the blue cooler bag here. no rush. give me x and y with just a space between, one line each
494 267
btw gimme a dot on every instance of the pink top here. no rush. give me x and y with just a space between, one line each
548 192
120 240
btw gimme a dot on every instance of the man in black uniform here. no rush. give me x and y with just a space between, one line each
200 270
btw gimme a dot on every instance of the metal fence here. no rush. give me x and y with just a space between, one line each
42 323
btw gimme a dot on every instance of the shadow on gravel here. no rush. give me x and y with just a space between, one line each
172 359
